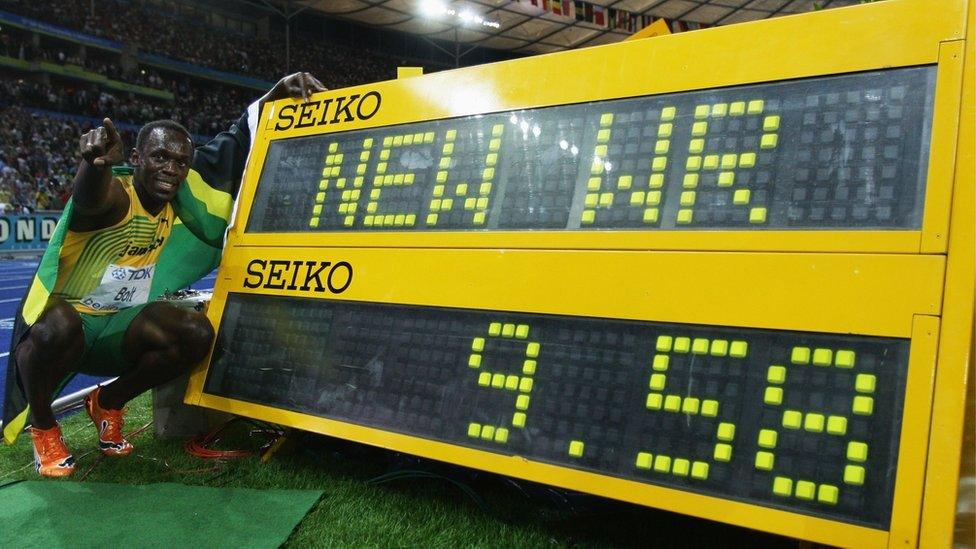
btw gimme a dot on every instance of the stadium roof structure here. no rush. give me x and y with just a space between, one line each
525 27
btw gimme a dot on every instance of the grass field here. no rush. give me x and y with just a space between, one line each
378 498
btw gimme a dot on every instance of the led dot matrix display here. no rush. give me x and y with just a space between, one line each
802 421
835 152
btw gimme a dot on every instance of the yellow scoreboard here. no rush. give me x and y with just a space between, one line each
727 273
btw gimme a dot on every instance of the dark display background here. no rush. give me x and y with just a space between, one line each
850 152
408 369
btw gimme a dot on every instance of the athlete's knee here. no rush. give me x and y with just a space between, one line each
195 336
57 331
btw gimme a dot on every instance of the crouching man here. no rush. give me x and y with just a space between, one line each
126 236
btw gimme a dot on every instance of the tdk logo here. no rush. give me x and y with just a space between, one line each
335 110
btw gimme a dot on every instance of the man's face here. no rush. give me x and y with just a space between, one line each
162 163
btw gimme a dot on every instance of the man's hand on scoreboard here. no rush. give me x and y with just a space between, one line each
300 84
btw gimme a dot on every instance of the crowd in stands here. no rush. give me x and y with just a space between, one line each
153 31
38 152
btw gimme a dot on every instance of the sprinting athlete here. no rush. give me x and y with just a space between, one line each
126 236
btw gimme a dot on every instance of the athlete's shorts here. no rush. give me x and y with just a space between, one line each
103 342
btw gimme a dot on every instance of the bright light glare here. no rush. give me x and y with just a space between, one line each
563 144
433 8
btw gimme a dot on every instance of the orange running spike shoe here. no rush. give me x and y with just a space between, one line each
51 456
109 424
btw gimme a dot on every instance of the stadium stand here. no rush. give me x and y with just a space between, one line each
54 86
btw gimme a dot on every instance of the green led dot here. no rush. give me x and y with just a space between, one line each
660 363
857 451
576 448
726 179
663 344
625 182
822 357
525 385
864 383
757 215
699 470
658 381
773 395
654 401
728 161
662 464
432 219
659 163
699 346
636 198
863 405
690 181
844 359
511 382
828 494
591 200
474 430
501 435
813 423
769 141
690 406
771 123
709 408
767 438
685 216
644 460
723 452
474 361
314 222
518 420
495 329
667 113
664 130
656 181
508 330
687 198
782 486
498 381
765 461
792 419
681 467
488 432
711 162
368 142
837 425
694 163
737 108
805 490
776 374
522 402
682 344
854 474
720 347
701 111
747 160
741 197
800 355
603 136
726 431
738 349
449 136
672 403
756 106
720 109
588 217
528 367
478 344
532 350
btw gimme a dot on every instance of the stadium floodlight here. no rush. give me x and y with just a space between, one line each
433 8
437 9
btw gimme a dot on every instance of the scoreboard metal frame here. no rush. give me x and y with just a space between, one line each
911 283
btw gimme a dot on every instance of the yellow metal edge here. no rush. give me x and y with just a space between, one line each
910 481
894 242
831 293
942 157
706 507
895 33
956 339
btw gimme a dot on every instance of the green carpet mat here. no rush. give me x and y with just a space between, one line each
88 514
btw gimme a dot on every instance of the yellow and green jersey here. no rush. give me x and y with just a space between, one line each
108 269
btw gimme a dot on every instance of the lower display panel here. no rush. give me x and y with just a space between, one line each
799 421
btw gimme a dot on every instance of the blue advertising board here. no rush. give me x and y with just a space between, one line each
26 232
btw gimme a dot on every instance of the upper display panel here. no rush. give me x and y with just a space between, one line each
839 152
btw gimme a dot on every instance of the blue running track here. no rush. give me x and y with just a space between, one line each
15 276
